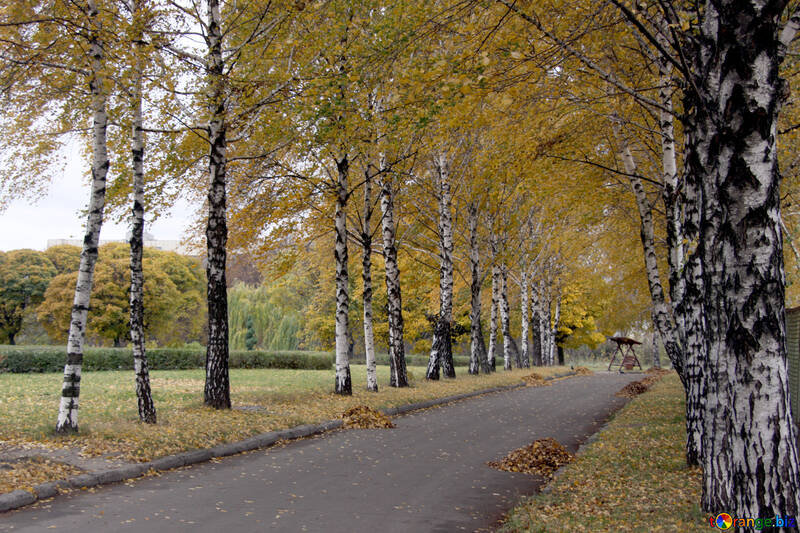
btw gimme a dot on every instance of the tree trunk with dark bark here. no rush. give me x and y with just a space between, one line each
217 387
67 421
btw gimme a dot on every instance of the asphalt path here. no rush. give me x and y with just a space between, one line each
428 474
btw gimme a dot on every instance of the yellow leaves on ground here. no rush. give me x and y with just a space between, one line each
583 371
632 478
543 457
25 473
364 417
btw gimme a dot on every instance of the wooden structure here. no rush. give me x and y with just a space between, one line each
626 353
793 360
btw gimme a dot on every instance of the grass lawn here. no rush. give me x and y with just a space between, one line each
632 478
108 417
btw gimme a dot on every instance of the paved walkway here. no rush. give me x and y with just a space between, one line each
429 474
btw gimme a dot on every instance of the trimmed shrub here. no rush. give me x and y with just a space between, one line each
25 359
411 360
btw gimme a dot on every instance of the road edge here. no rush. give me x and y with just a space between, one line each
16 499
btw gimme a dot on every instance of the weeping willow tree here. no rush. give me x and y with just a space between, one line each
276 327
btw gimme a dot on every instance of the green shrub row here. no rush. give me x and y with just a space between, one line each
24 359
411 360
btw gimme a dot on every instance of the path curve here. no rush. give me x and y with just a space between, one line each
429 474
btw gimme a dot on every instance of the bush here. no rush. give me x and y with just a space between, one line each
411 360
25 359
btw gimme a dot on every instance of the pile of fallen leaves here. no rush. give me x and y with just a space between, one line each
535 380
543 457
583 371
363 417
631 390
29 471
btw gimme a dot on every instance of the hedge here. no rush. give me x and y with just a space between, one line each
411 360
24 359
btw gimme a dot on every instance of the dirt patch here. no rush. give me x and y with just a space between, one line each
535 380
542 457
25 472
363 417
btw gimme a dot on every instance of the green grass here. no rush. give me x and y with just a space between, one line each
108 417
632 478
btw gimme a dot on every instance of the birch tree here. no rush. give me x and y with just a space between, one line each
146 408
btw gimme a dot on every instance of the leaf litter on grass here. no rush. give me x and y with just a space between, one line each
631 390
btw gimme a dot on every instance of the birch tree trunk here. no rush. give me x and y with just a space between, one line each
536 327
525 320
477 353
509 350
750 458
554 333
343 383
67 421
217 387
671 193
442 348
686 359
547 335
366 263
397 358
661 312
656 354
492 351
147 410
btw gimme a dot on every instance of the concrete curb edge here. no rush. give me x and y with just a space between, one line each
20 498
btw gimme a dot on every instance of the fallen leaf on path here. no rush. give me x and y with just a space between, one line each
543 457
363 417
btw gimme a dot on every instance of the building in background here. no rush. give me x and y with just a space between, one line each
149 242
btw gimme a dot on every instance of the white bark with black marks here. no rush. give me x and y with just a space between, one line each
525 306
147 410
661 311
554 331
343 383
366 276
67 421
477 347
750 456
217 393
397 358
536 327
442 348
505 320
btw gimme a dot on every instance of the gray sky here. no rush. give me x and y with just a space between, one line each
29 225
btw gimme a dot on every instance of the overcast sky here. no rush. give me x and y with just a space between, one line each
29 225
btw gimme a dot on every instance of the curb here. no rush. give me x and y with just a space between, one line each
20 498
